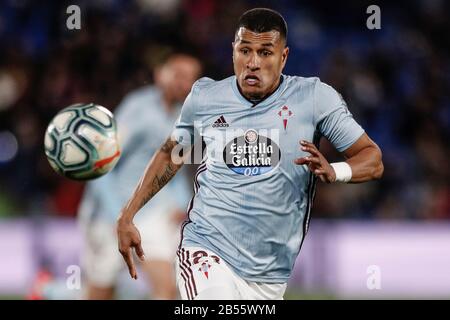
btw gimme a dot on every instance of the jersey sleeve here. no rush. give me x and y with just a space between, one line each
183 131
333 119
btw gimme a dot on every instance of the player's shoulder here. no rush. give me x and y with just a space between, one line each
142 97
302 82
142 93
311 85
204 83
207 85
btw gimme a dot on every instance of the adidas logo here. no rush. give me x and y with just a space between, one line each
220 123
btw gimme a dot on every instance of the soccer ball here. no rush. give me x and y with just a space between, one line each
81 142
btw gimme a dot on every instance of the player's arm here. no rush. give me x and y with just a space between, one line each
161 168
363 162
158 173
334 121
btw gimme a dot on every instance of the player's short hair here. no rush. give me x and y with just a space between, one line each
261 20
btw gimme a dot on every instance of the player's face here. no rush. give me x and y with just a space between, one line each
258 60
177 76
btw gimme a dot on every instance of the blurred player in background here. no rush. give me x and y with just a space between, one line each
144 118
254 192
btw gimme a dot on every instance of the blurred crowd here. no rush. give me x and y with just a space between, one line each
395 81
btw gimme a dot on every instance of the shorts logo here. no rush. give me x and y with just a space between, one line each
205 268
251 154
202 257
220 123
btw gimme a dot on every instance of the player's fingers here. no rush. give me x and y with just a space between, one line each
140 252
311 148
319 172
314 160
307 143
302 160
130 263
304 142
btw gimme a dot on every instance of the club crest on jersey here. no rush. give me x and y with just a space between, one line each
251 136
285 114
251 154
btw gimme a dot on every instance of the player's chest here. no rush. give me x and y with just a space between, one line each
257 135
287 119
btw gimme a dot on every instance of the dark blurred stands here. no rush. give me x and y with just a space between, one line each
395 81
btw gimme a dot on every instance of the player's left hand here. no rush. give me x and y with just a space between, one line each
316 162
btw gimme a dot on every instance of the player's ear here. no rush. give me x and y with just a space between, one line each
284 55
157 74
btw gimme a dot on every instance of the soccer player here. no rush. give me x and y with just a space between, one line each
144 119
255 187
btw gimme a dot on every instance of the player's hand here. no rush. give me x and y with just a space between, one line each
129 237
316 162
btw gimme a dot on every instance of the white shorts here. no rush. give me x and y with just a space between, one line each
203 275
100 257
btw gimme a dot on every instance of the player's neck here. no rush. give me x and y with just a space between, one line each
256 101
169 104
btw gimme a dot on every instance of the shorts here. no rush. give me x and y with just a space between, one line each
203 275
101 259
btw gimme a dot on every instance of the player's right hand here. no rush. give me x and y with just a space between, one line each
129 237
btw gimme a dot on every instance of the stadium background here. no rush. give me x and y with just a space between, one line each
395 81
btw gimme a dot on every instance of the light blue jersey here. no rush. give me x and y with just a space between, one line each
252 203
143 125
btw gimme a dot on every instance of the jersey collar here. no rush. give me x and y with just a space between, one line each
267 100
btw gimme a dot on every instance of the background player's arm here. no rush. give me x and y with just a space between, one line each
158 173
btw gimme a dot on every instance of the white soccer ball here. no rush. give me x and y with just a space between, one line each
81 142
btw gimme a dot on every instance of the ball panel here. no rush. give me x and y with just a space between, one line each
100 115
92 135
62 120
49 142
72 154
